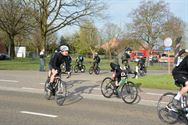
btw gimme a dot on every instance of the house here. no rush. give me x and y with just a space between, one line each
113 43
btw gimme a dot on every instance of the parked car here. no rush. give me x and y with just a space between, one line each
164 58
135 56
4 56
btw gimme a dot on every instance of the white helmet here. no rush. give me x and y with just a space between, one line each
64 48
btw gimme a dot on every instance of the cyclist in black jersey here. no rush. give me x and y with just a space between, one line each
180 75
56 61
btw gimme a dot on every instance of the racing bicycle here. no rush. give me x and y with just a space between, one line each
59 90
167 112
126 89
95 68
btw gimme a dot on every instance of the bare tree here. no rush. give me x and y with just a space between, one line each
174 27
53 15
14 20
109 33
148 21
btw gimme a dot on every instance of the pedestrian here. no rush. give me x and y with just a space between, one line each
42 60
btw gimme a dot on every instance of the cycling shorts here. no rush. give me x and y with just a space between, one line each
180 79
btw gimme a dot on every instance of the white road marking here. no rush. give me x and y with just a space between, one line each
42 83
31 88
150 93
38 114
6 80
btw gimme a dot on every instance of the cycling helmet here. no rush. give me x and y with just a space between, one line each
128 49
63 48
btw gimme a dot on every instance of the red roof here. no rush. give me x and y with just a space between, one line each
113 43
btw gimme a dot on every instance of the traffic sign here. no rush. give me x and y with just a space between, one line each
168 42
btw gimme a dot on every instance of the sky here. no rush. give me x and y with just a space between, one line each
118 12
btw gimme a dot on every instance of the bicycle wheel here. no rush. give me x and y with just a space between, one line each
129 92
164 110
83 68
90 70
107 88
97 71
76 68
61 91
47 92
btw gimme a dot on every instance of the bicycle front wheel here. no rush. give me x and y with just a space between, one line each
107 88
164 109
97 71
61 91
47 92
90 70
129 92
76 68
83 68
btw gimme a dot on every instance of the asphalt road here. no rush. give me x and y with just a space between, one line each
22 102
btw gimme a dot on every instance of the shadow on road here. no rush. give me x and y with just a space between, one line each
74 95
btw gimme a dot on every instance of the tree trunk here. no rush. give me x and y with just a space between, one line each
12 47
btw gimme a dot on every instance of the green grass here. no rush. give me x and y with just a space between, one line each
156 81
33 64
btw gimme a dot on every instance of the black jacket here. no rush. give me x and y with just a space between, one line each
182 68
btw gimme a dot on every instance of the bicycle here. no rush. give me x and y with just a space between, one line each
95 68
126 90
59 90
166 111
79 67
142 70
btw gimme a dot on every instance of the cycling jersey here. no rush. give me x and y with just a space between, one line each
57 60
97 59
180 72
182 68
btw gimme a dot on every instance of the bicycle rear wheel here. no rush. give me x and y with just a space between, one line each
107 88
129 92
61 91
164 109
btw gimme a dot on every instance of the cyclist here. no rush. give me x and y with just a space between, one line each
55 63
141 64
97 60
180 75
125 61
79 60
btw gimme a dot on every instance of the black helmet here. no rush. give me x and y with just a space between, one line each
128 49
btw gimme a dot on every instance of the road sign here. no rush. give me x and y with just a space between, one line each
168 42
167 48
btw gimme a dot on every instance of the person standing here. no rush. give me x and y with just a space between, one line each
42 60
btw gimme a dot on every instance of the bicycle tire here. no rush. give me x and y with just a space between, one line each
83 69
129 92
61 91
107 89
47 92
76 68
91 70
165 101
97 71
